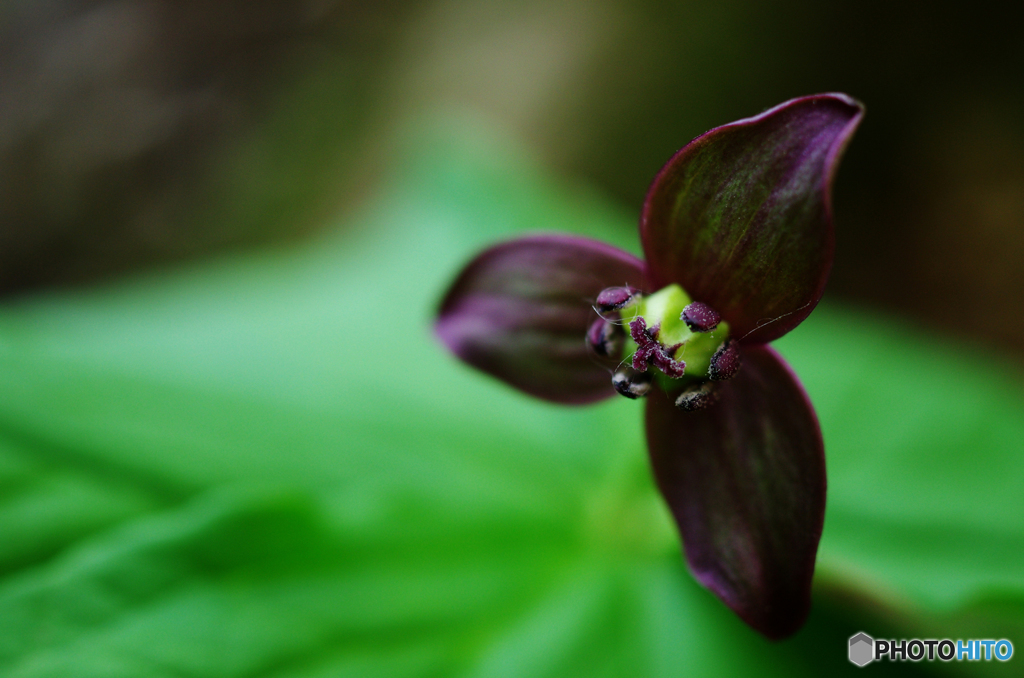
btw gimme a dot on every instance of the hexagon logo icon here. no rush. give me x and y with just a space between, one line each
862 649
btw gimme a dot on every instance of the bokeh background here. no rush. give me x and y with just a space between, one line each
229 446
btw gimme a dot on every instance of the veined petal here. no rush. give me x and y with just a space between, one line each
741 217
745 481
520 311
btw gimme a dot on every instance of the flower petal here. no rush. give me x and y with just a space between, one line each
521 310
745 481
741 217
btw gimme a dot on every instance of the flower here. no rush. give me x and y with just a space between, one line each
738 239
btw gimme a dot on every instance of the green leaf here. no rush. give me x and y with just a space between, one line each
224 471
926 498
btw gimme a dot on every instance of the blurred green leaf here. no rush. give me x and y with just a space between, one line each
925 455
265 466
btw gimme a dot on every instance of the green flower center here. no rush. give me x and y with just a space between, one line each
664 310
664 339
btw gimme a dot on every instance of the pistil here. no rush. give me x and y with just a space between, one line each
681 345
651 352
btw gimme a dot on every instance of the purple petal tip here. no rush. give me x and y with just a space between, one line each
745 481
521 312
741 217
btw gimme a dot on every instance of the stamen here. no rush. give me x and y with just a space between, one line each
697 397
650 351
614 298
606 337
631 384
700 317
725 363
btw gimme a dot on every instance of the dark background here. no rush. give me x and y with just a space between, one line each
135 134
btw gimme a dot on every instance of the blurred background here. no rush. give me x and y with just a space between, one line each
210 467
138 133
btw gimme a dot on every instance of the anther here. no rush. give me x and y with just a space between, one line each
614 298
606 338
649 350
697 397
725 363
700 317
632 384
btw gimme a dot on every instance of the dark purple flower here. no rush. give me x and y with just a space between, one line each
738 238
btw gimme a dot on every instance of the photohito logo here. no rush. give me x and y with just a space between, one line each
864 649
